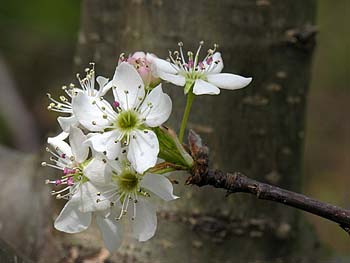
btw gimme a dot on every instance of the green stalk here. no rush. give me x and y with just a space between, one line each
190 98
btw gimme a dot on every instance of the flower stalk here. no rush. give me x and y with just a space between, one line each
189 101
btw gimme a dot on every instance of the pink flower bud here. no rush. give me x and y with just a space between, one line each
143 65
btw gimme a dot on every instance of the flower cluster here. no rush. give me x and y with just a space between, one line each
111 153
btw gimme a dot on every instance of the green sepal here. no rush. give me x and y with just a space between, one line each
188 85
170 148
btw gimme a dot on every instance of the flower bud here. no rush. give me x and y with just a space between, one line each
144 67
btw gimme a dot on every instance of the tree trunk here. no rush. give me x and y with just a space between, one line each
258 130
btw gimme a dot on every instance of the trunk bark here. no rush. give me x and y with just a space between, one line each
258 130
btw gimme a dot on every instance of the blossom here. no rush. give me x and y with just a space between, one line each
72 160
64 105
130 197
143 65
128 121
204 75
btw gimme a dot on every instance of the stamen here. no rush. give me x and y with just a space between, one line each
116 104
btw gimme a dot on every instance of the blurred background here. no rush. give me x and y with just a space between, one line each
37 47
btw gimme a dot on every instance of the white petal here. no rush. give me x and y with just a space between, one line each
202 87
106 143
102 81
160 185
67 122
162 65
138 54
217 64
89 113
116 166
111 231
71 219
143 150
228 81
90 194
58 142
129 86
172 78
145 224
80 150
161 107
98 172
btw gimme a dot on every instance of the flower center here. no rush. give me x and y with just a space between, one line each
127 181
127 120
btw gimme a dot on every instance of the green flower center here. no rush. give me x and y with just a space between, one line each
127 120
77 172
127 181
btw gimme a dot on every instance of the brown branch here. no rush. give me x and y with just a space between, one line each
236 182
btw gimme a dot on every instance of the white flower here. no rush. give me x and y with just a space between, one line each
87 87
204 76
74 184
129 195
129 124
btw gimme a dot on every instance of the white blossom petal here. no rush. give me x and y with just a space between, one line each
138 54
98 172
106 143
71 219
111 231
143 150
228 81
202 87
93 197
217 64
58 142
161 107
102 82
80 150
159 185
116 165
162 65
89 113
178 80
145 223
67 122
129 86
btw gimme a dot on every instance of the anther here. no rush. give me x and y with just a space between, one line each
43 164
116 104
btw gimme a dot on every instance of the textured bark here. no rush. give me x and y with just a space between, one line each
258 130
8 255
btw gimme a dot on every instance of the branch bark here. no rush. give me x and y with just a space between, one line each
237 182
